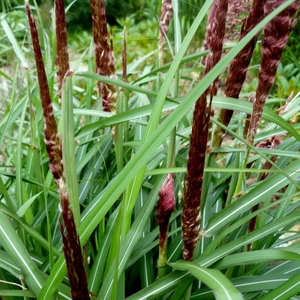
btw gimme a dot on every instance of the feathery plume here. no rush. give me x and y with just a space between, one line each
62 55
72 250
195 168
237 12
238 67
276 34
52 139
104 53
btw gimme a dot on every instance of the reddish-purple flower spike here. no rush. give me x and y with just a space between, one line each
239 66
165 207
72 249
62 56
276 34
52 139
103 52
195 168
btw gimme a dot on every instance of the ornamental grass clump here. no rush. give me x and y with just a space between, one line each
194 177
129 190
71 243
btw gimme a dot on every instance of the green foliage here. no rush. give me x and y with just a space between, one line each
17 21
121 162
80 12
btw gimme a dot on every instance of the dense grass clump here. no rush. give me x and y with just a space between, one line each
117 178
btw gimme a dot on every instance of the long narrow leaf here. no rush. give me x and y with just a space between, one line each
222 288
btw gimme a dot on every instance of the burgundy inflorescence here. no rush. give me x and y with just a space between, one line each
275 37
62 55
52 139
195 168
72 249
239 66
104 53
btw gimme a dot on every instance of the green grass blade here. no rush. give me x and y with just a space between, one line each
132 237
262 191
14 43
246 284
247 107
12 244
284 291
266 230
68 147
16 293
222 288
255 257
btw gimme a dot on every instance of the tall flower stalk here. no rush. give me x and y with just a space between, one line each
198 144
238 67
52 138
105 63
71 244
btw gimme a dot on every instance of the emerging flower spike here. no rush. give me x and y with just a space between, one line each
195 168
105 63
276 34
62 56
238 67
165 207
